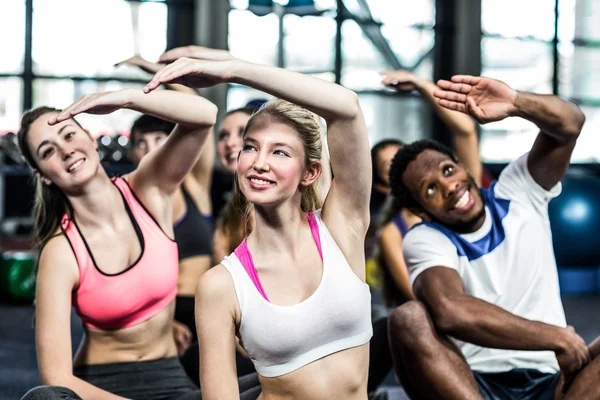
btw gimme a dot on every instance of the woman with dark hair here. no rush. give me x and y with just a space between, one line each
108 249
394 221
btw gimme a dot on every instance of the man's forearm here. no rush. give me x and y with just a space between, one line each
555 116
476 321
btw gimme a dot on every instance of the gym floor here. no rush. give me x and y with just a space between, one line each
18 365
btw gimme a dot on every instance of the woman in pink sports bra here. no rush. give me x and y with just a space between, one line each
107 250
293 294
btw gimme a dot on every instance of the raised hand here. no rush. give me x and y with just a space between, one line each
572 357
400 80
98 103
485 99
193 73
143 64
199 52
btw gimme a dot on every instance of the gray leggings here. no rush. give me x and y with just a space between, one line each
162 379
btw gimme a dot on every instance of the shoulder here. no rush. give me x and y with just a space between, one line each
390 231
215 285
426 233
57 259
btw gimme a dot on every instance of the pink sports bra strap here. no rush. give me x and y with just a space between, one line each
314 229
243 254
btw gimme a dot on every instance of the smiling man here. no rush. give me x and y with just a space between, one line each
488 321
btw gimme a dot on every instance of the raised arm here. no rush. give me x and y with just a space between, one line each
216 324
56 279
462 126
203 169
476 321
164 169
489 100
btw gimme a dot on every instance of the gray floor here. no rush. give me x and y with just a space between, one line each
18 366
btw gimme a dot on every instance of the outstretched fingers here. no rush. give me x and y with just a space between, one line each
453 105
455 87
70 111
169 74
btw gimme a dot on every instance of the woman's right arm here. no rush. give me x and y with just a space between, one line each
216 315
57 277
390 243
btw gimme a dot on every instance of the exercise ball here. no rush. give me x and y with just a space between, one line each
575 221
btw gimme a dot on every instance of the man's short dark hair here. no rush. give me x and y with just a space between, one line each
149 123
405 156
379 146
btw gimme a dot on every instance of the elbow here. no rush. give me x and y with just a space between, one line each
351 108
55 379
449 319
573 127
212 114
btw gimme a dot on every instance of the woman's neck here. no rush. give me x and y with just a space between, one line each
96 204
277 229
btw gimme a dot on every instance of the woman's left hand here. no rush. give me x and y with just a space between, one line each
194 73
98 103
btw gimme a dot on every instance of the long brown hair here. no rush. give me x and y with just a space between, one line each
50 204
306 124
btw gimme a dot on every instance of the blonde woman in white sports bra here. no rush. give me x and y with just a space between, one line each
293 293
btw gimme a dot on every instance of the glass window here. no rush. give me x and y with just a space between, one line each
403 12
409 44
510 18
362 62
11 104
523 64
253 38
309 43
61 93
588 144
400 117
239 95
83 38
579 72
12 32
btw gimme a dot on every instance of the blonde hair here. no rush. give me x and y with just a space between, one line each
306 124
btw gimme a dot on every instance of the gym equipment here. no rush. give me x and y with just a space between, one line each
18 276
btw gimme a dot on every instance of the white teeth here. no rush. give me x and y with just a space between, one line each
464 199
259 181
77 164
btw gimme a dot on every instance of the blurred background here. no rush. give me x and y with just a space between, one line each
53 51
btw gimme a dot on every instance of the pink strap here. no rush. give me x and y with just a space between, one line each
243 254
314 229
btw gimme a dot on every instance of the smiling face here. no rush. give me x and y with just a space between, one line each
271 166
65 154
230 139
445 191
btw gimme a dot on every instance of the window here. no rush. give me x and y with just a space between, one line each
519 50
74 47
12 25
374 38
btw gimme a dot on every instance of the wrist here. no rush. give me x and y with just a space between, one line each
517 102
560 342
238 70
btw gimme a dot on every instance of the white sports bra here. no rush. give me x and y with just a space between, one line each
282 339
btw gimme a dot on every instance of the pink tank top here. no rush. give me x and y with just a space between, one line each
243 254
138 293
